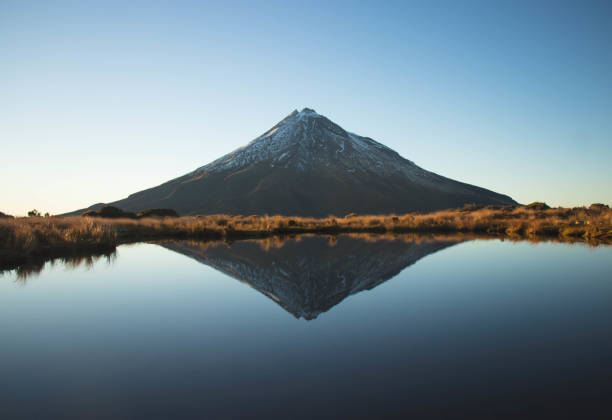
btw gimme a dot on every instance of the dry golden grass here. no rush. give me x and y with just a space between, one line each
22 239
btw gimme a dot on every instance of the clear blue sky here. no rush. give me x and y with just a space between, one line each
102 99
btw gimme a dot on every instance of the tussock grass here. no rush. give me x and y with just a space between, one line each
24 239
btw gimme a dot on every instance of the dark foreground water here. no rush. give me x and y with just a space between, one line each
319 328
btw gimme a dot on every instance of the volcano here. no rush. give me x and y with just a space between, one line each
306 165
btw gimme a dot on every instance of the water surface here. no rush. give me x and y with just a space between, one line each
316 328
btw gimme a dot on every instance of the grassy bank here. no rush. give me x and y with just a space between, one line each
26 239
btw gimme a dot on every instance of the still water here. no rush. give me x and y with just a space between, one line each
313 328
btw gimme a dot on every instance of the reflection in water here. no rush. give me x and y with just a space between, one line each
87 260
311 274
197 249
480 330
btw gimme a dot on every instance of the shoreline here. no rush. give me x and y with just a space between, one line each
27 240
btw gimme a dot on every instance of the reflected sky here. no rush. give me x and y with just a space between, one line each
479 329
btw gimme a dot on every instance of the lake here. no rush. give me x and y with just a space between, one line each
313 327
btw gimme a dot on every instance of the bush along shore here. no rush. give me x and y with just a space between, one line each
23 240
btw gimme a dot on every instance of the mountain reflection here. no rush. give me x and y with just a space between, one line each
306 274
309 275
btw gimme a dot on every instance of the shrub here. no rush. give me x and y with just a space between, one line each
472 207
90 213
157 213
537 205
598 207
112 212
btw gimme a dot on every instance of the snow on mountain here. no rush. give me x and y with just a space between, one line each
307 139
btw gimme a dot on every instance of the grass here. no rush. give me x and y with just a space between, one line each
24 240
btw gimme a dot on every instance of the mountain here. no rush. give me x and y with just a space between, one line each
310 276
306 165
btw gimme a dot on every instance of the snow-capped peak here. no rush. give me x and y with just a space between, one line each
307 140
309 112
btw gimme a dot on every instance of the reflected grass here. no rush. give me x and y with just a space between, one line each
86 260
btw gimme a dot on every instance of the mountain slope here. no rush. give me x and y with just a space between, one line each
306 165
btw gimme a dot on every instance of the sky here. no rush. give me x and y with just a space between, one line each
102 99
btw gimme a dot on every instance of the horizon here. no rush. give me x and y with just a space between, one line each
105 101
